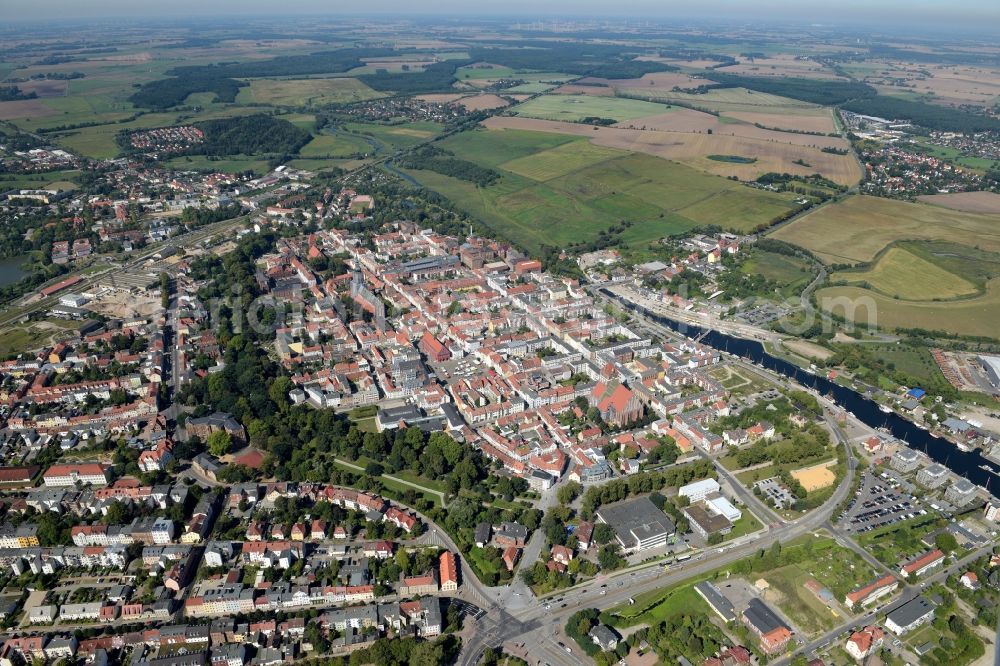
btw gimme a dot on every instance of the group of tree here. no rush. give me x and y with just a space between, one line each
642 483
444 162
249 135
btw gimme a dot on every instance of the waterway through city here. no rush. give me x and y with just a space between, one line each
966 464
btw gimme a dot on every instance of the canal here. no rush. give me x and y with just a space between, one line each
938 449
12 269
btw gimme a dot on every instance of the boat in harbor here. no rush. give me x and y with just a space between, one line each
885 409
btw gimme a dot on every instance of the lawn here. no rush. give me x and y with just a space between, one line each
855 229
747 524
305 92
802 607
901 274
558 190
574 108
658 605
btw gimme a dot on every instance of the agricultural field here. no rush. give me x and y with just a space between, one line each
693 149
855 229
725 100
305 92
574 108
806 120
689 120
969 202
969 317
901 274
784 65
557 190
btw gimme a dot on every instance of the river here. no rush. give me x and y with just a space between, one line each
12 269
937 448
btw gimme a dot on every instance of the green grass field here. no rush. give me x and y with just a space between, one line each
573 108
229 164
393 137
335 145
901 274
557 190
559 161
792 274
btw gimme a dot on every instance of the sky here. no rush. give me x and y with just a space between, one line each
886 12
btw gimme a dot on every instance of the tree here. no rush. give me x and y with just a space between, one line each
220 443
603 533
568 492
947 542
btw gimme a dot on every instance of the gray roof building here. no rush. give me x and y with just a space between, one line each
637 523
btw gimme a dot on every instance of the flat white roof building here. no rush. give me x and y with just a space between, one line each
724 507
699 490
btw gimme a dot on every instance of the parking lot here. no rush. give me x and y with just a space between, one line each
456 369
879 502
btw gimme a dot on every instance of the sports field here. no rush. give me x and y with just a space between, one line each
901 274
305 92
855 229
558 190
574 108
816 477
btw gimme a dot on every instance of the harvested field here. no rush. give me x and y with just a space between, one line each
970 202
972 316
44 88
657 81
807 349
948 84
821 121
440 98
781 65
483 102
816 477
25 108
693 149
578 89
855 229
689 120
305 92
